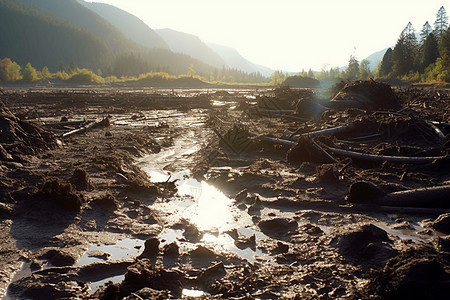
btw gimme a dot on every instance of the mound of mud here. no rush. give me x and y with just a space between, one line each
61 193
366 94
21 137
368 246
142 275
414 274
285 98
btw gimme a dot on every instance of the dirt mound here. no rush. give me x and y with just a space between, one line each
366 94
368 246
21 137
61 193
285 98
414 274
143 275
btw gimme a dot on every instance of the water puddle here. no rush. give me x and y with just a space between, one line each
95 285
191 293
123 249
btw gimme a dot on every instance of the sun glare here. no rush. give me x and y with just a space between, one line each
211 210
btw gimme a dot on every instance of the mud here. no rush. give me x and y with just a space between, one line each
172 198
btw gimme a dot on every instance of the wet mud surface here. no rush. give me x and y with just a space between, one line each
177 194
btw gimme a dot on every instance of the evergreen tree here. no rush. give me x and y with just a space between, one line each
445 56
426 30
441 23
386 63
364 70
430 51
352 71
404 53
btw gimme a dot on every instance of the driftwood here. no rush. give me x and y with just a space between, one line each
65 123
323 150
437 130
431 197
353 154
381 158
327 131
102 123
274 140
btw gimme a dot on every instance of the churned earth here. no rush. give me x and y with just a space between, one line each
180 194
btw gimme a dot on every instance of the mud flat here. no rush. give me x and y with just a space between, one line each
143 193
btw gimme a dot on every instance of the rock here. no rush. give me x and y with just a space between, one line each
277 226
80 179
151 248
58 258
203 252
171 249
281 248
363 192
191 233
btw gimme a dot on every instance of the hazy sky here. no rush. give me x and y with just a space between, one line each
286 34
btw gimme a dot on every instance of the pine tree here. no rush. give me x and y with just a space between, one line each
364 70
352 71
430 51
426 30
441 23
404 54
386 63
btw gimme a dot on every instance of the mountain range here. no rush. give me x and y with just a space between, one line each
101 36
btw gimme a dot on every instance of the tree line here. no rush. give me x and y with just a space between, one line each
423 57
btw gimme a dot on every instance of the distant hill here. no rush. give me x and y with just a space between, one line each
375 58
235 60
102 37
130 25
28 34
191 45
73 12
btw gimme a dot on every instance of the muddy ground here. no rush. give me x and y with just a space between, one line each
170 195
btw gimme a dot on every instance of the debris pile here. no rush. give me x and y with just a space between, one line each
18 137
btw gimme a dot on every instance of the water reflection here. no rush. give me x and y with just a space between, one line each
211 209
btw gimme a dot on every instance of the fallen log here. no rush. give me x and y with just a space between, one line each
323 151
273 140
436 130
102 123
359 155
382 158
327 131
65 123
430 197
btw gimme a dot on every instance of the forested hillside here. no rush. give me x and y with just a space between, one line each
32 35
131 26
426 58
81 17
